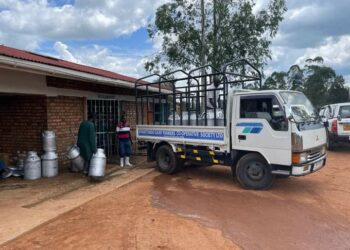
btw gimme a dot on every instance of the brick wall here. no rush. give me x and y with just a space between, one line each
22 118
64 115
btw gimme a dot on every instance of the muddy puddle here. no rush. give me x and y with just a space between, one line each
251 219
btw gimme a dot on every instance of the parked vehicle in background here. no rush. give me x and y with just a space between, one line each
336 118
259 134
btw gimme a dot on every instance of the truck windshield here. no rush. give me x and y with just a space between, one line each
301 107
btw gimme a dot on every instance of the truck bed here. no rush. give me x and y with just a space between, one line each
194 135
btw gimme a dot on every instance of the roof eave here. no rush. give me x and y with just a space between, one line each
50 70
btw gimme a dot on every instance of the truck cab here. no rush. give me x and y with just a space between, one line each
259 134
282 128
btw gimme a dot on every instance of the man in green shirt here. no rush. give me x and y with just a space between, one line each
87 140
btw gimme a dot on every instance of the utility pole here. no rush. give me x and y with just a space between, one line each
203 80
215 40
203 33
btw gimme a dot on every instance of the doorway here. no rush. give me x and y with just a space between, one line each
107 117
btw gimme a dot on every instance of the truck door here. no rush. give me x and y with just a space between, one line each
261 126
327 116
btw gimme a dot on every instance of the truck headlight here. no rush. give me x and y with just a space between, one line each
297 142
299 158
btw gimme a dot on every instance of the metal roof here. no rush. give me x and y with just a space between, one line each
37 58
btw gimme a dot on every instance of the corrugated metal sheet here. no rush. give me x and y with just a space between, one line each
33 57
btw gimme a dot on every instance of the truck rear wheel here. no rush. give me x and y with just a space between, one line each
330 143
167 161
253 172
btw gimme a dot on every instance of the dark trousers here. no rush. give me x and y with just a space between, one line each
86 167
124 147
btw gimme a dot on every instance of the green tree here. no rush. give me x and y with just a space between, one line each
277 80
337 92
320 83
295 78
232 30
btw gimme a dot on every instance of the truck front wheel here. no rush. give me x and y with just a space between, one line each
167 161
253 172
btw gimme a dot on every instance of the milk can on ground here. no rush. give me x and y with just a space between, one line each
49 164
32 166
98 165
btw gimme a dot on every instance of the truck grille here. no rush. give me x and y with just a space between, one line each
314 155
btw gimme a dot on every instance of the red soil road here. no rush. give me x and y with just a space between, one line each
201 208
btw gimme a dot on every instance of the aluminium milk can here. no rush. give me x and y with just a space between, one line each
77 162
171 119
49 141
49 164
210 118
98 164
32 166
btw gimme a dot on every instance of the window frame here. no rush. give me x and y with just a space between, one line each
340 110
270 96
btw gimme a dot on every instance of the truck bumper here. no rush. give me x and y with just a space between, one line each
301 169
308 168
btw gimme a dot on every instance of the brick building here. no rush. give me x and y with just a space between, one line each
39 93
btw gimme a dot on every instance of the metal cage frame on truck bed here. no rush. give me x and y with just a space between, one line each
186 96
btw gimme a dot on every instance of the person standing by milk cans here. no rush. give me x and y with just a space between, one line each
87 140
124 138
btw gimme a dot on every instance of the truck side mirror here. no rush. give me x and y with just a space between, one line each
339 118
288 111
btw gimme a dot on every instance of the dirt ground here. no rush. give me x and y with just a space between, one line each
202 208
25 204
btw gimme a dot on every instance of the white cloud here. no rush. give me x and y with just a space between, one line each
277 53
157 42
347 80
127 63
27 24
27 42
268 71
335 51
259 5
83 20
303 13
65 54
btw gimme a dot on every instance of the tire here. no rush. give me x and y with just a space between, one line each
253 172
167 161
330 143
233 171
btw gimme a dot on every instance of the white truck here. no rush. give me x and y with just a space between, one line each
263 134
336 118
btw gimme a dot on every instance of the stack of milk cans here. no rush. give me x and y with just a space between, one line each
47 166
49 158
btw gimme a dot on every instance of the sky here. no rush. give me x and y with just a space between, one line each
111 34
